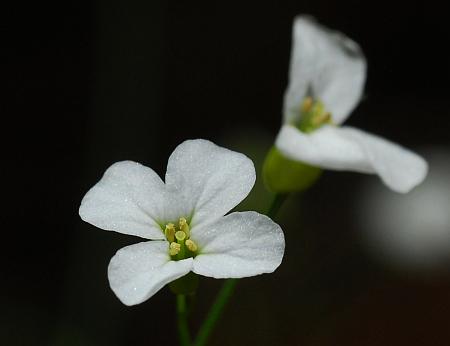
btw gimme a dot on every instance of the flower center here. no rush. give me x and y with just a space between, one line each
181 246
313 115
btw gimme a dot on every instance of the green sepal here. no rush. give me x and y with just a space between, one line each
282 175
185 285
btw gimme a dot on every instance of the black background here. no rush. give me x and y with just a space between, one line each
91 83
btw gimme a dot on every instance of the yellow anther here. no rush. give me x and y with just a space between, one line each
184 226
180 236
321 119
318 108
307 104
313 115
174 249
169 232
191 245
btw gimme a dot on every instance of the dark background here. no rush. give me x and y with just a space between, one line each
91 83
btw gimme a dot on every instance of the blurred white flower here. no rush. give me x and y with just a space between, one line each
326 80
410 232
185 219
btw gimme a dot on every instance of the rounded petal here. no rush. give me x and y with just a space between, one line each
212 180
128 199
326 65
238 245
138 271
350 149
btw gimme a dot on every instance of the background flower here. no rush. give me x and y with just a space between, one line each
330 69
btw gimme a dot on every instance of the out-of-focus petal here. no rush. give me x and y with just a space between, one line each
326 65
327 147
350 149
399 168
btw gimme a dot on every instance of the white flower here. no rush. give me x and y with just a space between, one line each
185 219
326 81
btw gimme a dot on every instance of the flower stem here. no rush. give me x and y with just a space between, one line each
228 287
183 328
215 312
276 204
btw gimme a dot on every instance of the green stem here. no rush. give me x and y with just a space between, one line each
183 328
276 204
228 287
215 312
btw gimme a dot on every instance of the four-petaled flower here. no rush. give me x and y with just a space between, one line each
184 218
326 80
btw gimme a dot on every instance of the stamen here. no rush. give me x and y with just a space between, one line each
321 119
174 249
184 226
181 247
312 115
169 232
190 244
307 104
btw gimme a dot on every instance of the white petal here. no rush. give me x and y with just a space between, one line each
327 147
238 245
212 179
138 271
350 149
128 199
326 64
399 168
